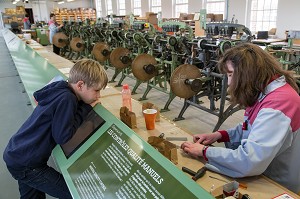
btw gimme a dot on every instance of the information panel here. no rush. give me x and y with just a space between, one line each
116 163
115 167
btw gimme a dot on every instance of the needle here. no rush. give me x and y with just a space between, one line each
219 179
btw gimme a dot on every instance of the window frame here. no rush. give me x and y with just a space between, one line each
108 12
260 22
134 7
98 8
155 6
180 3
120 10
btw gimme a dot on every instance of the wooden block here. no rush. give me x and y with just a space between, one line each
128 117
165 147
149 105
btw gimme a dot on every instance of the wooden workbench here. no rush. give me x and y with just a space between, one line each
266 41
258 187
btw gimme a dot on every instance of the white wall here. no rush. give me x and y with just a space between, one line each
238 9
195 6
40 11
288 16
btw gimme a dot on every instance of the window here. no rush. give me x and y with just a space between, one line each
181 6
109 9
122 10
215 6
155 6
263 15
99 8
137 8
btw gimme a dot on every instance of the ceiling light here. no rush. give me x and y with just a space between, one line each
69 0
14 2
60 2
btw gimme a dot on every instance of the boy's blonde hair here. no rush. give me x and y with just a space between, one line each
90 72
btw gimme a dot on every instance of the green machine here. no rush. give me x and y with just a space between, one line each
105 158
42 35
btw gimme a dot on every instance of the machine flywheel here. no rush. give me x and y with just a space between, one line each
184 82
119 57
101 51
77 44
60 40
144 67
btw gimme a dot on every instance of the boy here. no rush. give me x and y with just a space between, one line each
62 107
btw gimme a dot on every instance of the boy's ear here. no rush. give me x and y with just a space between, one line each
79 85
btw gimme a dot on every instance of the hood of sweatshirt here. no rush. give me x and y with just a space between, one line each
50 92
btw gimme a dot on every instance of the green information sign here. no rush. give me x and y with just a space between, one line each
116 167
114 162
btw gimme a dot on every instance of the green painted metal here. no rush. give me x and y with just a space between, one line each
41 34
34 70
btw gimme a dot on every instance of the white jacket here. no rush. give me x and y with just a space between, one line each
271 142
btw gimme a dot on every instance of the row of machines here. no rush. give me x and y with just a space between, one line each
171 61
288 53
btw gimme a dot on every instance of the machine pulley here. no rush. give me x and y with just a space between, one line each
186 81
77 44
60 40
144 67
101 51
120 58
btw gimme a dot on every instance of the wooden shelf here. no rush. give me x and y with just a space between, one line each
75 15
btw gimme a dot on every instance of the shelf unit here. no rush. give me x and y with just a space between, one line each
8 18
13 15
75 15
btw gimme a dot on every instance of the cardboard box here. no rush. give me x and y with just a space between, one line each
198 30
218 17
190 16
152 18
182 16
210 16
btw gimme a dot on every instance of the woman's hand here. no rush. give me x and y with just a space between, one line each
192 149
208 138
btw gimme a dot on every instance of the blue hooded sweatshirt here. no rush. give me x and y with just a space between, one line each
54 121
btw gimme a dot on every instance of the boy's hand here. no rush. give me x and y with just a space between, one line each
93 104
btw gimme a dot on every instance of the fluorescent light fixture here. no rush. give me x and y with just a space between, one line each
70 0
14 2
60 2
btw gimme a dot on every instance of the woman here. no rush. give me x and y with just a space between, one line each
26 22
268 141
54 28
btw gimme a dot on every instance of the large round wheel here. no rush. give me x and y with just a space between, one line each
101 51
179 78
144 67
119 58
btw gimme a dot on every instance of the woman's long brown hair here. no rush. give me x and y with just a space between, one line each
253 70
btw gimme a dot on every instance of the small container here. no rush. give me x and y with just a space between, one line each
150 115
126 97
